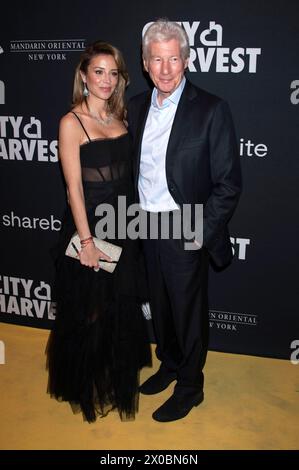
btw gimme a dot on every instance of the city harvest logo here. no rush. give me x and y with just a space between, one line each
47 49
208 54
26 297
21 139
32 223
294 98
230 321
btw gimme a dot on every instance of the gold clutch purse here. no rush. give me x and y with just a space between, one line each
109 249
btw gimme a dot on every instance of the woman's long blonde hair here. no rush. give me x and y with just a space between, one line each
116 103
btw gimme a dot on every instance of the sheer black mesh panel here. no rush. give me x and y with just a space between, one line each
114 171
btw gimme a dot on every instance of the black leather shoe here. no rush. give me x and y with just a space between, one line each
157 382
176 407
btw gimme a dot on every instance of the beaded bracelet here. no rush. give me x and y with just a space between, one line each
86 241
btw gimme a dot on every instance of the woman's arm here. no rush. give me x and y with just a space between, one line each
69 151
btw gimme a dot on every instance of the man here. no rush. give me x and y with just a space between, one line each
186 153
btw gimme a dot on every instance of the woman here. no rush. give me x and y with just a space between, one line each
98 344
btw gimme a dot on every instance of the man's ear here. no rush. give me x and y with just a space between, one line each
145 65
186 63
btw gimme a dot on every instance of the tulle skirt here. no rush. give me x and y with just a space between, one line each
99 341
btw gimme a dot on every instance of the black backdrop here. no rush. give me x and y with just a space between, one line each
246 52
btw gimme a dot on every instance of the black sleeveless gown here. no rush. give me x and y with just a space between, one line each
99 341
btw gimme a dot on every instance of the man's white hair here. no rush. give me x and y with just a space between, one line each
165 30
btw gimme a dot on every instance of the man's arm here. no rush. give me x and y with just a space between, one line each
225 174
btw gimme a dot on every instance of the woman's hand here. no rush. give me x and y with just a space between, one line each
90 256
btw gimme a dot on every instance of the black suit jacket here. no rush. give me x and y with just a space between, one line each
202 161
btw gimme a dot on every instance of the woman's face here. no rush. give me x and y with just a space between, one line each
102 76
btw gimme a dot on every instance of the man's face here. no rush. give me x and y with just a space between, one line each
165 66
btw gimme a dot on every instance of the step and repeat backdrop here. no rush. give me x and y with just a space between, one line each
244 51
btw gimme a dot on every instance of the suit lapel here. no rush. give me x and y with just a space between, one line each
179 127
180 123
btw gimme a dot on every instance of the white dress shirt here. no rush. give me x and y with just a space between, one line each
154 195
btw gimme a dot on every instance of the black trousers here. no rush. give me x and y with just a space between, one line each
178 283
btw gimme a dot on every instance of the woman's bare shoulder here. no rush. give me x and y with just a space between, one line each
68 118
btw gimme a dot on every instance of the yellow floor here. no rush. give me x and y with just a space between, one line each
251 403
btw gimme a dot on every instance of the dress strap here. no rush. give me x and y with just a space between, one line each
81 125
